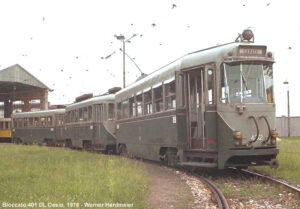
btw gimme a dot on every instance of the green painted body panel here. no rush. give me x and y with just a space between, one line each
211 128
145 136
34 135
242 123
94 132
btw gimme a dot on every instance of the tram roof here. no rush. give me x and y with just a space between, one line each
91 101
38 113
197 58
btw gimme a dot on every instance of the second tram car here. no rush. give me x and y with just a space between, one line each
90 124
209 108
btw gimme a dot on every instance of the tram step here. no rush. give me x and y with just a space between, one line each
199 164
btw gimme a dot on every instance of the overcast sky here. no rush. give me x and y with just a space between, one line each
61 42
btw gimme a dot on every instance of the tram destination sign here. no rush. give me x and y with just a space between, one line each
258 51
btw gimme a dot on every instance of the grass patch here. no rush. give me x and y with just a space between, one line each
289 161
42 174
243 189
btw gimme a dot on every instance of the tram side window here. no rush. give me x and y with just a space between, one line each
148 102
102 118
20 121
1 125
8 125
85 114
223 87
90 113
158 99
68 117
71 116
25 122
132 111
62 119
97 113
268 75
42 121
58 120
30 122
105 112
180 90
119 110
125 109
80 114
170 96
49 121
210 87
15 123
36 121
139 104
76 115
111 111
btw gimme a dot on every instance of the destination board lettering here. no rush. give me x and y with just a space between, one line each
251 51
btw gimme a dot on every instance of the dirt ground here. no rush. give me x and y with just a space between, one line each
177 190
168 190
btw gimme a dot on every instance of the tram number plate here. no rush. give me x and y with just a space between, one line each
260 137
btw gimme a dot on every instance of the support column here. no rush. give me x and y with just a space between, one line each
26 106
44 100
8 108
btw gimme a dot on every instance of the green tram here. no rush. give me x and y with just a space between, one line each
210 108
90 124
40 127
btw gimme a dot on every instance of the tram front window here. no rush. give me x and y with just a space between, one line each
247 83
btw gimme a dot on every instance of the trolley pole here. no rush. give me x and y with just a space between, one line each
288 107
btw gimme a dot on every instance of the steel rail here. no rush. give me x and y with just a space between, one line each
221 200
290 187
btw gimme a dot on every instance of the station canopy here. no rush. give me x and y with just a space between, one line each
15 81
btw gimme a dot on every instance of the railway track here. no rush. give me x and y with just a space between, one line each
221 200
267 178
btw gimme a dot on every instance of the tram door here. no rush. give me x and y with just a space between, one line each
196 108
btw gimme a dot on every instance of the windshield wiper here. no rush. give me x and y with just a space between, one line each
244 81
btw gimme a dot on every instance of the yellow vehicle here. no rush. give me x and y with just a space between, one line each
5 129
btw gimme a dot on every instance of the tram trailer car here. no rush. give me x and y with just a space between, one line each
39 127
90 124
210 108
5 130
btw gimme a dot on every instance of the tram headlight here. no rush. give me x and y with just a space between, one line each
238 138
247 34
238 135
274 134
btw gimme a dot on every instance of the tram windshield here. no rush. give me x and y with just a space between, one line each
247 83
